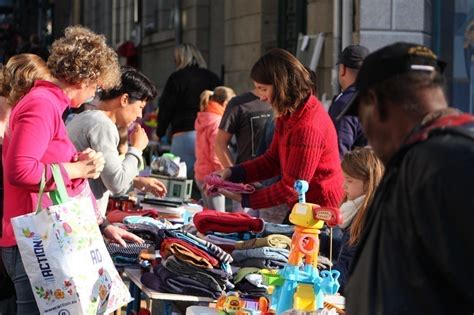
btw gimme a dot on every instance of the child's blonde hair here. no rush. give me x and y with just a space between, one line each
221 94
362 164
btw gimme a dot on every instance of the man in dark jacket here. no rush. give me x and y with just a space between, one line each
416 252
348 128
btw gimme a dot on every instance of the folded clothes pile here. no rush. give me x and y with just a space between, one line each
249 282
275 228
263 257
273 240
126 256
205 265
164 280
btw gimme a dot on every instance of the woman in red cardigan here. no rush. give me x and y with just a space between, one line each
304 145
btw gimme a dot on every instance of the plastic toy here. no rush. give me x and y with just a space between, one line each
233 304
297 287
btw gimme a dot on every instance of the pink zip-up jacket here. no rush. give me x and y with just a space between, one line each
36 136
206 126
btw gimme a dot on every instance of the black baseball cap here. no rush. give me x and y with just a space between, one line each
391 60
352 56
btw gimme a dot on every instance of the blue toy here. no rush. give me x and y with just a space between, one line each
299 286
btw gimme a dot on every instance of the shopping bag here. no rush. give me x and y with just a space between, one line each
65 257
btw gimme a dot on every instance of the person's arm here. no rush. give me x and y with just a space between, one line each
117 175
346 129
30 137
222 148
167 107
304 153
150 184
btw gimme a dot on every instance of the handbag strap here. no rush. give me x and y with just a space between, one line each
41 190
59 195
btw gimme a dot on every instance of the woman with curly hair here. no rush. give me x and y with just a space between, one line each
80 62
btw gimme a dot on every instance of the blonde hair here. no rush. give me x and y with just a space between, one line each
221 94
18 76
362 164
188 55
82 56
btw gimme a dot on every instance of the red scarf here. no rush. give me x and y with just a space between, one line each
441 119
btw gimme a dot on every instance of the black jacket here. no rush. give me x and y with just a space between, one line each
416 254
179 102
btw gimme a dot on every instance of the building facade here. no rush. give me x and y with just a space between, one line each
233 34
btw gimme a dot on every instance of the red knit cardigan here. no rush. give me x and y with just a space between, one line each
304 147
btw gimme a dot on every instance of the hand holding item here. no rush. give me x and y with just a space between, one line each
223 173
86 164
118 235
138 137
151 185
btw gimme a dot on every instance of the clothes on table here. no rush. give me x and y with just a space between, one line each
213 221
159 223
262 263
215 279
262 252
209 247
273 240
145 231
187 252
117 216
242 272
163 280
263 257
274 228
249 289
132 250
215 251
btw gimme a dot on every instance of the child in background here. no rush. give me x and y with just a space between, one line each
362 172
212 107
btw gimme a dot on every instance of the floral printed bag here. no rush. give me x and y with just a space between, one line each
65 256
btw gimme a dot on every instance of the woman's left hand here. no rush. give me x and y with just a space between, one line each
151 185
231 195
118 235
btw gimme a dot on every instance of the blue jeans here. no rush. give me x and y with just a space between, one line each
182 145
25 300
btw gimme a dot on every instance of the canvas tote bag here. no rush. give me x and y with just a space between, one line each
65 257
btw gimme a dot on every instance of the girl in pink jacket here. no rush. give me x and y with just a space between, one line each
212 107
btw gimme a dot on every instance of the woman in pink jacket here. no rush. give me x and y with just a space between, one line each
212 107
80 62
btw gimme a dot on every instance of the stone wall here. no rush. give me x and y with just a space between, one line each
382 22
250 29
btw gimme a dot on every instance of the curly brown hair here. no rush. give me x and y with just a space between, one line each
19 74
82 56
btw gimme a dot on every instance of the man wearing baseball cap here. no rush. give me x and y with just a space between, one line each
416 252
348 128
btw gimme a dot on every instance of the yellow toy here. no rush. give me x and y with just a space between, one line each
302 288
